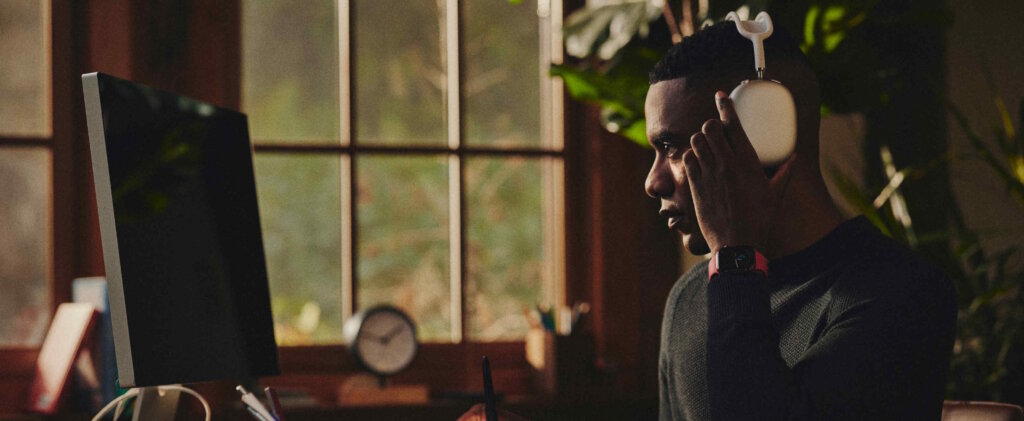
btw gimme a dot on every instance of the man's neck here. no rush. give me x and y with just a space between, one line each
806 215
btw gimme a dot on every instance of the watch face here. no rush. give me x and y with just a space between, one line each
736 258
386 342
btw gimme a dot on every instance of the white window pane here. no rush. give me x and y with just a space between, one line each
501 78
506 254
24 68
403 239
25 245
400 72
290 70
302 239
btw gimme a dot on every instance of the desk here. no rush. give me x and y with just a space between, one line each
533 409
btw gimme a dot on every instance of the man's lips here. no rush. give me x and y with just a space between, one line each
676 219
675 222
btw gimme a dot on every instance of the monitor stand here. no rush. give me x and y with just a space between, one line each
153 404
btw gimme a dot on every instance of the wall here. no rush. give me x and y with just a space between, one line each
985 32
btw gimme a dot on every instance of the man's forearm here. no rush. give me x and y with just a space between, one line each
747 377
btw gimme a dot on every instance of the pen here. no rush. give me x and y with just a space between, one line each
253 403
490 408
275 404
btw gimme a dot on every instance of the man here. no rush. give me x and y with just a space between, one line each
847 324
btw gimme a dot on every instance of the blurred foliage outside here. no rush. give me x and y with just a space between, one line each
24 81
291 94
302 242
505 252
403 238
290 71
618 42
25 200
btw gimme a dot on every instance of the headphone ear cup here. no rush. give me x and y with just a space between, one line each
768 115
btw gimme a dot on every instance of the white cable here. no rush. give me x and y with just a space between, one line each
119 410
206 406
135 392
128 395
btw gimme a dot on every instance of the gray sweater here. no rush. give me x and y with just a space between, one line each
855 327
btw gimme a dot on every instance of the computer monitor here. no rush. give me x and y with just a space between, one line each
180 227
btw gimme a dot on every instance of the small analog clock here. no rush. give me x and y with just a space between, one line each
382 339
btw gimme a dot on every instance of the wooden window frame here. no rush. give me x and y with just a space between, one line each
348 149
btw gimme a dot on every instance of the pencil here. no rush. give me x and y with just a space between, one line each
275 404
490 407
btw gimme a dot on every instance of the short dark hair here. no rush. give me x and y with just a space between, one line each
719 50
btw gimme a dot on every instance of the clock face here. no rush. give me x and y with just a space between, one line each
386 342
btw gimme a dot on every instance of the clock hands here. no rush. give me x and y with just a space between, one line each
386 338
374 337
391 334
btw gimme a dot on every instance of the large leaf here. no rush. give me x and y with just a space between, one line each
604 30
619 86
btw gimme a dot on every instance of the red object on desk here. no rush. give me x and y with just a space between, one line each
69 333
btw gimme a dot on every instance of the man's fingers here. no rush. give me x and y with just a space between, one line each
717 140
692 167
694 177
738 140
727 113
705 152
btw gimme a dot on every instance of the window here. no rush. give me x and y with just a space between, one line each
407 153
26 154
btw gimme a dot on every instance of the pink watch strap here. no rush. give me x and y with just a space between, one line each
760 264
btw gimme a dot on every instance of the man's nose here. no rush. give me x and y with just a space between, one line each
658 183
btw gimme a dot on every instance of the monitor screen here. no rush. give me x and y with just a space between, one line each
180 227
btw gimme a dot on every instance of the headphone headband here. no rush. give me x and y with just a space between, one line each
756 31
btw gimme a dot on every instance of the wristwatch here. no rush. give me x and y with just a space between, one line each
737 259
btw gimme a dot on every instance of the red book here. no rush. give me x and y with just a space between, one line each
69 333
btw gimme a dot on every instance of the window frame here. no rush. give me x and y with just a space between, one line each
347 148
65 188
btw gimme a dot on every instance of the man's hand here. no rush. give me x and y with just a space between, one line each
734 199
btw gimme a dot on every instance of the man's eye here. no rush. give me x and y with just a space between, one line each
670 149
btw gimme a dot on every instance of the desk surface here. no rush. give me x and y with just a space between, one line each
533 409
536 410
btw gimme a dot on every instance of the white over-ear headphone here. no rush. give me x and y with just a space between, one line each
765 107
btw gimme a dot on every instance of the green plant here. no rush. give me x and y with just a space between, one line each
617 47
991 323
989 283
616 44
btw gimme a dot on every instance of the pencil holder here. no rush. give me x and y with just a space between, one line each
563 364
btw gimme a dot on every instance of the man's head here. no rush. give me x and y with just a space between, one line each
681 99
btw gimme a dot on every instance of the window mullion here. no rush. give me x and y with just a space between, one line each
457 266
348 179
553 130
